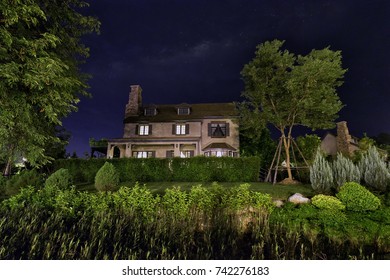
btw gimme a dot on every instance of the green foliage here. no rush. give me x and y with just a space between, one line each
357 198
3 183
256 143
308 145
321 176
40 78
198 169
61 178
327 202
344 170
133 224
23 179
202 198
374 170
107 178
175 201
286 90
138 199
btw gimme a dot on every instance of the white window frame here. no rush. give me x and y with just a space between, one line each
180 129
143 129
183 111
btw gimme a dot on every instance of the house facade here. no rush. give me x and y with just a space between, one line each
178 130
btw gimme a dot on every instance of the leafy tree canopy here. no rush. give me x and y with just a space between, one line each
40 79
286 90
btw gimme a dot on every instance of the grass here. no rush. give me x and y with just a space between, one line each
277 191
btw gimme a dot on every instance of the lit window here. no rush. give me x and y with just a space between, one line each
180 129
144 129
186 154
144 154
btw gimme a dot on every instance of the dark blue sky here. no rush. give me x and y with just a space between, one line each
193 51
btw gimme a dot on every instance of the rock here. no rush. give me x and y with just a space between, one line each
298 198
278 203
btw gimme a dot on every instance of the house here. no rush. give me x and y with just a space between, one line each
343 142
179 130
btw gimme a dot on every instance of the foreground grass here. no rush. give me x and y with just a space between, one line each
215 223
277 191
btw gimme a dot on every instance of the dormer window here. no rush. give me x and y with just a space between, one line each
183 111
150 111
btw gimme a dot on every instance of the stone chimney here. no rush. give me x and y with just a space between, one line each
343 139
135 101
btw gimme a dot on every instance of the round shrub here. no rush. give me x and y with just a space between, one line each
107 178
61 178
357 198
327 202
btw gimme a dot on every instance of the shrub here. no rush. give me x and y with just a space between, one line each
321 175
61 178
23 179
175 201
202 198
138 199
344 170
357 198
263 200
107 178
374 171
327 202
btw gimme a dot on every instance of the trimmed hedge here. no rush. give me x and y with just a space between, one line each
196 169
327 202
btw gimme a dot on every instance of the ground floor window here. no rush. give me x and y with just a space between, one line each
221 153
144 154
186 154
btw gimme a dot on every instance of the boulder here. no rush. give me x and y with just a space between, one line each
298 198
278 203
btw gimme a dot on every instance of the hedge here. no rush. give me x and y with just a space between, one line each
196 169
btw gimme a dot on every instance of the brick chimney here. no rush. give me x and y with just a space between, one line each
343 138
135 101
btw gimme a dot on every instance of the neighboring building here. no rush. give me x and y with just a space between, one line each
181 130
343 142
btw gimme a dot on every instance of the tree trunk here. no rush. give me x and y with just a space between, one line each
8 167
287 144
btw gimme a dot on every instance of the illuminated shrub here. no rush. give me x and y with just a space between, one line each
357 198
327 202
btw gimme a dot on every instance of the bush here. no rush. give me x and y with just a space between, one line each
374 170
327 202
107 178
61 178
175 201
357 198
23 179
344 170
321 175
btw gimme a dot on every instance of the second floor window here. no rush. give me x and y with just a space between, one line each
218 129
180 129
144 129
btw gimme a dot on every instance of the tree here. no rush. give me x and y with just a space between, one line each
288 90
40 80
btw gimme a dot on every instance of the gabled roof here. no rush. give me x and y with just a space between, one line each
167 113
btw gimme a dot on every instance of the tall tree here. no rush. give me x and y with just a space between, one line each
40 79
286 90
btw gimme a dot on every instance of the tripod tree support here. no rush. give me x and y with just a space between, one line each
275 165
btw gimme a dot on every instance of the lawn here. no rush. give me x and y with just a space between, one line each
277 191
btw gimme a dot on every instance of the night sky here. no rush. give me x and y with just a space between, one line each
193 51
